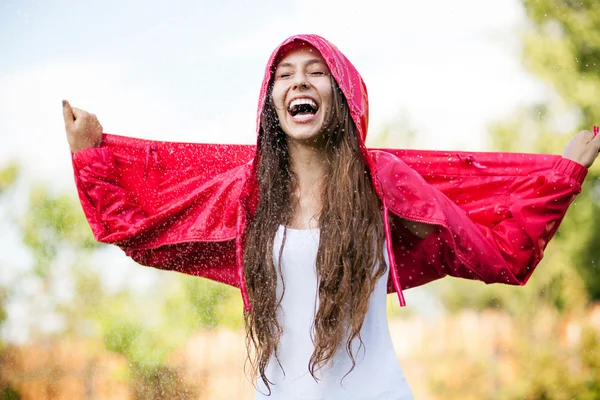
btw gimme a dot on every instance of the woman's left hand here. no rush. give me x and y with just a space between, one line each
583 148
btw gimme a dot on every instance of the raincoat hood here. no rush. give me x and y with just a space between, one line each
345 74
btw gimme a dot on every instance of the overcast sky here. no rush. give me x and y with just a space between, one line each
191 70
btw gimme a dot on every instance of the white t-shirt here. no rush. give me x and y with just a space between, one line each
377 374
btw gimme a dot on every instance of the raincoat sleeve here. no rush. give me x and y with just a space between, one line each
114 215
493 223
143 197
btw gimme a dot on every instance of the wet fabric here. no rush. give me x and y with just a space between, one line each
377 373
184 207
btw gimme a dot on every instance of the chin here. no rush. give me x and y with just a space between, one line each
305 133
311 136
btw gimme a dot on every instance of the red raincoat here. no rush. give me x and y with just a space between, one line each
184 206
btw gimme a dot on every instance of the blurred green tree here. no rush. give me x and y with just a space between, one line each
561 45
8 178
563 48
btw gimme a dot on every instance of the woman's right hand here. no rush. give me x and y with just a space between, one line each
583 148
83 128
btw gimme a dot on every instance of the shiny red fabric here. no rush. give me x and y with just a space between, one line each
184 206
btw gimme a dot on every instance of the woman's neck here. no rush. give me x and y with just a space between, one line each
309 167
308 163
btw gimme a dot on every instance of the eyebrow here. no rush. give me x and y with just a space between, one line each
309 62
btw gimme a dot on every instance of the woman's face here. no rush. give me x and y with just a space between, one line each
302 92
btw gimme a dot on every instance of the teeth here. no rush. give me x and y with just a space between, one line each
298 102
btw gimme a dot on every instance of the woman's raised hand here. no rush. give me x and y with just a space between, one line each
83 128
583 148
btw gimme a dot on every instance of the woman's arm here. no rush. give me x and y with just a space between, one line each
583 148
167 205
114 215
502 236
142 194
506 250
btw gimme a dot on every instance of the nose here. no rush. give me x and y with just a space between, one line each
300 82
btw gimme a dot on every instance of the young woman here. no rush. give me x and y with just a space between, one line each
314 228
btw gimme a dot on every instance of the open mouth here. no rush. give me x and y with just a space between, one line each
303 108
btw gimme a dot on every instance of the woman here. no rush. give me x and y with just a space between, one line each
315 228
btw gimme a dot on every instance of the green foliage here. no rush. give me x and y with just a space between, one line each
121 337
558 372
2 300
145 328
555 282
206 298
562 47
144 347
9 393
53 222
533 362
131 326
472 380
8 176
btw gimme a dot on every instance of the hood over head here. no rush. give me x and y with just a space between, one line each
342 70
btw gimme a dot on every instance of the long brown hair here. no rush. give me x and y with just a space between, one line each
350 247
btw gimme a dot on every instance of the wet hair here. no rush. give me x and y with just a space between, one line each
350 254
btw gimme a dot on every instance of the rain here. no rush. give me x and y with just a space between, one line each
125 269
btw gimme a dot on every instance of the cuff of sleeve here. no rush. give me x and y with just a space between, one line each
85 157
572 169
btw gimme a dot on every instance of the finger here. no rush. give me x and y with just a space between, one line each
67 114
587 136
79 113
596 141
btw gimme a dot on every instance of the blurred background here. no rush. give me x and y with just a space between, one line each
78 320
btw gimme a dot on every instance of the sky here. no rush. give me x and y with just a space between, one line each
191 71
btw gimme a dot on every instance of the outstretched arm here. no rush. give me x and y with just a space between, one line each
502 236
167 205
97 178
583 148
